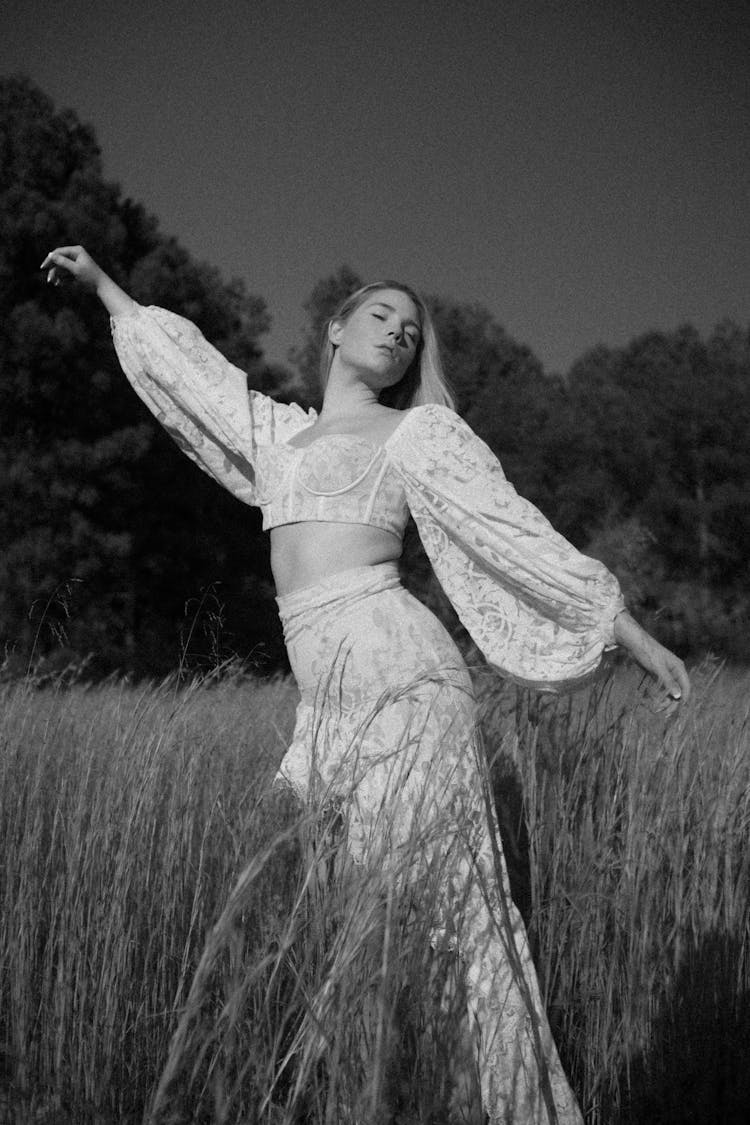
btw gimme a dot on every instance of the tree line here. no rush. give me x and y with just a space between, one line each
114 548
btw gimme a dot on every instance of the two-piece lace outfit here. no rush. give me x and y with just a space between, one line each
386 716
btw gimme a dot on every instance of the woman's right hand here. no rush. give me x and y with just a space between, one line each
74 260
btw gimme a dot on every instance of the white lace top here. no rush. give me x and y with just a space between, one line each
539 610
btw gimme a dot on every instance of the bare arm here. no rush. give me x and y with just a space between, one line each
75 261
667 668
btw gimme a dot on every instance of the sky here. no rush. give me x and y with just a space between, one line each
579 167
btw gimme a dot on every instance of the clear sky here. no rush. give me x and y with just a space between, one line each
580 167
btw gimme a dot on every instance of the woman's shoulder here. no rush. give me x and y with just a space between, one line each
434 441
427 419
393 421
420 435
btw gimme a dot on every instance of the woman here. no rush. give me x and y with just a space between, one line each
386 719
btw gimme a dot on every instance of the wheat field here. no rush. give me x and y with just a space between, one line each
181 942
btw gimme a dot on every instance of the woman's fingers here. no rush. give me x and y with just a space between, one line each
676 679
673 681
670 683
60 259
62 255
684 683
663 665
74 260
670 687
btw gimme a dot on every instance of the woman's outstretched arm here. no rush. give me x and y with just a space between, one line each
539 610
201 399
76 261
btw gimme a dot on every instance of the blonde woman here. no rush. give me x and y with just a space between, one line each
386 717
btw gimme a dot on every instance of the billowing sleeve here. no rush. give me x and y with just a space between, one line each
538 609
201 399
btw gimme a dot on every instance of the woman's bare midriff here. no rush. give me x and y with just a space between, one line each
311 551
305 553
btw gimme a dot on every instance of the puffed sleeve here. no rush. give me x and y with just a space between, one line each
201 399
540 611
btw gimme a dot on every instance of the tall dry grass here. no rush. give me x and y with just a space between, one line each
639 871
125 816
175 936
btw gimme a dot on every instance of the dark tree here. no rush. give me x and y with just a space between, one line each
94 498
320 306
502 391
660 430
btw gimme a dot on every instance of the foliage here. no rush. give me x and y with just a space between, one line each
91 490
658 433
502 391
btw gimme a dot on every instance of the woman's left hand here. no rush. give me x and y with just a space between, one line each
667 668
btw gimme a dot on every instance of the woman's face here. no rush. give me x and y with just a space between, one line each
379 340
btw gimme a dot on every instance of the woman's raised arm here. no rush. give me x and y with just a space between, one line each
201 399
77 262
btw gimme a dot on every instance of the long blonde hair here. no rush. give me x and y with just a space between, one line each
425 380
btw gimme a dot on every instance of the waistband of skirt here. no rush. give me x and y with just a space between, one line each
339 587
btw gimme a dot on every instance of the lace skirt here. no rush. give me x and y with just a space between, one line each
386 729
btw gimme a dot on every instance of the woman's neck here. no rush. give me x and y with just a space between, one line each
345 398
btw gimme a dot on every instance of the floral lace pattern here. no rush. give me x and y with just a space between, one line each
539 610
337 477
386 730
200 398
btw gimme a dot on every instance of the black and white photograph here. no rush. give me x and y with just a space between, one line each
374 562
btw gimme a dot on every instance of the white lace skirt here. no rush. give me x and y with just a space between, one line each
386 728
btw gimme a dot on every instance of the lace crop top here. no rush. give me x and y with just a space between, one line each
538 609
338 477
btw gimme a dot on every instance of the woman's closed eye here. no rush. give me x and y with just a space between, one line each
410 337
